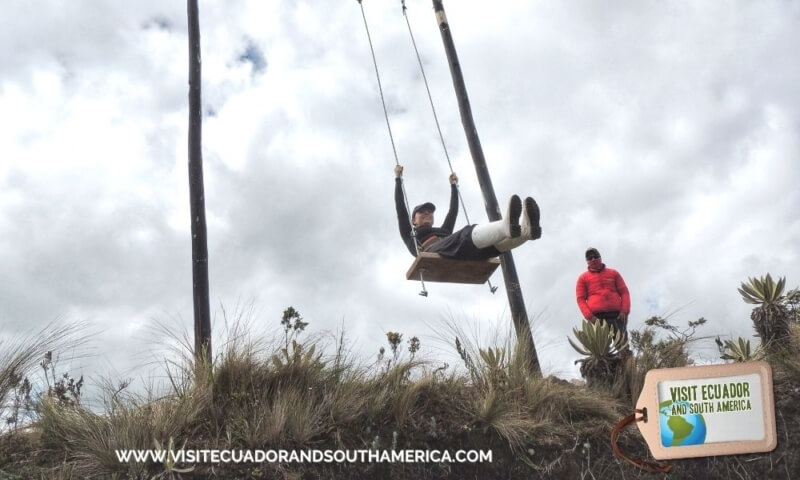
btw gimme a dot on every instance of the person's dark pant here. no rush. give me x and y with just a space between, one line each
459 245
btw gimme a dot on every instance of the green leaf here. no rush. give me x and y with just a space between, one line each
580 350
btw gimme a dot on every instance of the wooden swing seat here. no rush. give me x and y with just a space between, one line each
436 268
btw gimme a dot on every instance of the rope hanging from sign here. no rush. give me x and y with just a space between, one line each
643 464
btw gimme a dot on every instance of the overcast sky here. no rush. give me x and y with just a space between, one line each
665 134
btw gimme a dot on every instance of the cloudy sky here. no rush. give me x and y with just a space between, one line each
666 134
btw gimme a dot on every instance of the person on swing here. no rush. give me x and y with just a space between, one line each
473 242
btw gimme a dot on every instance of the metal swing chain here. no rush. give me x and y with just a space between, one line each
436 120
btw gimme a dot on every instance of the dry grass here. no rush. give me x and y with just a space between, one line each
257 396
89 439
21 356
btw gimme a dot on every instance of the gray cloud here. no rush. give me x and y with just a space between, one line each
664 135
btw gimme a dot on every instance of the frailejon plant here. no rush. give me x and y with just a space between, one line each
739 350
170 466
771 316
495 366
297 358
603 348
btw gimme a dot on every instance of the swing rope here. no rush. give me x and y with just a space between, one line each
433 107
386 116
492 288
391 136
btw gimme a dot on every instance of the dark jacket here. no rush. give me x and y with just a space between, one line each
423 233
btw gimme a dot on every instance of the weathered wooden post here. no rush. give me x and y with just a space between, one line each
516 303
202 309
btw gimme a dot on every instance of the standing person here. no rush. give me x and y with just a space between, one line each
473 242
602 294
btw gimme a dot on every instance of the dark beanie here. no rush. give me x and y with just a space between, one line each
591 250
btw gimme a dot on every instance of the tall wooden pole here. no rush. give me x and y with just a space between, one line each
202 309
516 303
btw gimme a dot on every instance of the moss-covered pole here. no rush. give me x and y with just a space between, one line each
516 303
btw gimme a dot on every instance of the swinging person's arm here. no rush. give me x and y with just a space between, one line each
450 220
403 222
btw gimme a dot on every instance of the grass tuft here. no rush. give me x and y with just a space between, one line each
292 394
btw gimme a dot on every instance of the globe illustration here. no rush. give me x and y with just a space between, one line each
680 430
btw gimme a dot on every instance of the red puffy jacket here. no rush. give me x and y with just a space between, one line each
603 291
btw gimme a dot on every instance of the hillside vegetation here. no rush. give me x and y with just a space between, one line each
292 396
